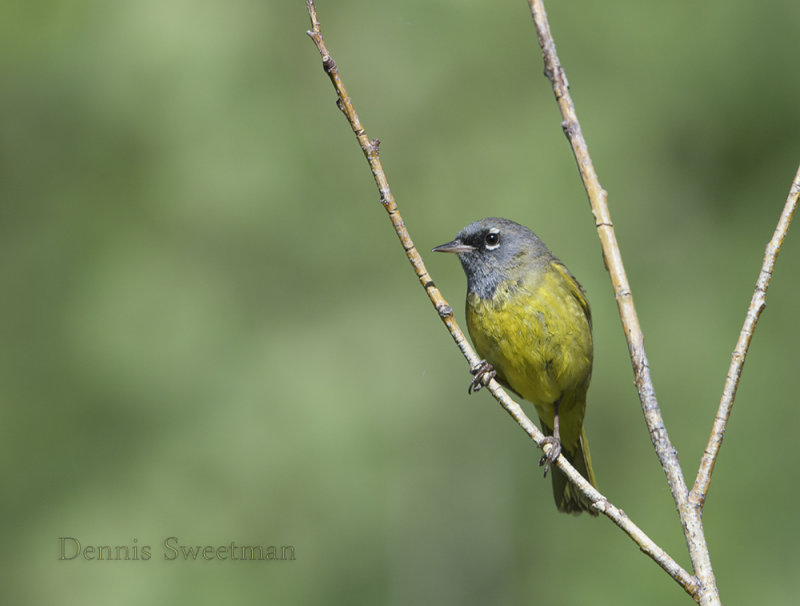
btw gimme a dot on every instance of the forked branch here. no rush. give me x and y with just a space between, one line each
371 152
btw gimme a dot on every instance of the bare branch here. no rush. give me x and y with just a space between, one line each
701 485
667 455
370 149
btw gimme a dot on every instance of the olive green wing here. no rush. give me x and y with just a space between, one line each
575 289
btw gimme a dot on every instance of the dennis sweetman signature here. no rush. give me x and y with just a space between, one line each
172 549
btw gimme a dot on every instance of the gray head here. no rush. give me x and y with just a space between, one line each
494 250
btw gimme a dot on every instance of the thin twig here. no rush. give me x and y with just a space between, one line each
370 149
701 485
667 455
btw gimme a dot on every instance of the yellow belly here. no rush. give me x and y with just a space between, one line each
537 336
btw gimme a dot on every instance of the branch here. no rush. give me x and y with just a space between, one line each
700 490
667 455
371 151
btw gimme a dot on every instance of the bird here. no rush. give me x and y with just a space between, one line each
530 322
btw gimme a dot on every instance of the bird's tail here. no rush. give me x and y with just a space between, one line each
568 498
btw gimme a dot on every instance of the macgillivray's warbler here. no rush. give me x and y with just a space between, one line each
530 322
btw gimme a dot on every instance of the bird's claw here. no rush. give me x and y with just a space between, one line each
482 372
549 457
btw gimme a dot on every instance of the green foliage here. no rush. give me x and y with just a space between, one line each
210 332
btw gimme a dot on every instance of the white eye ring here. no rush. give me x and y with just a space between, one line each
492 239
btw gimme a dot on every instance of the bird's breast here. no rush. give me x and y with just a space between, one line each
537 336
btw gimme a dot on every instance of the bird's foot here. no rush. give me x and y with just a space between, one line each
550 456
482 372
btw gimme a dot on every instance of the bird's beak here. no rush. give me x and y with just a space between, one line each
455 246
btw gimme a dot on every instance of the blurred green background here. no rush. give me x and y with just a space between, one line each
210 332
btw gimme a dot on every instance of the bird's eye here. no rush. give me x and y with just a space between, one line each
492 240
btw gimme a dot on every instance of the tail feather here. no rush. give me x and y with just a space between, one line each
567 496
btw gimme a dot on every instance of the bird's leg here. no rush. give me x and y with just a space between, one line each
555 443
482 371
